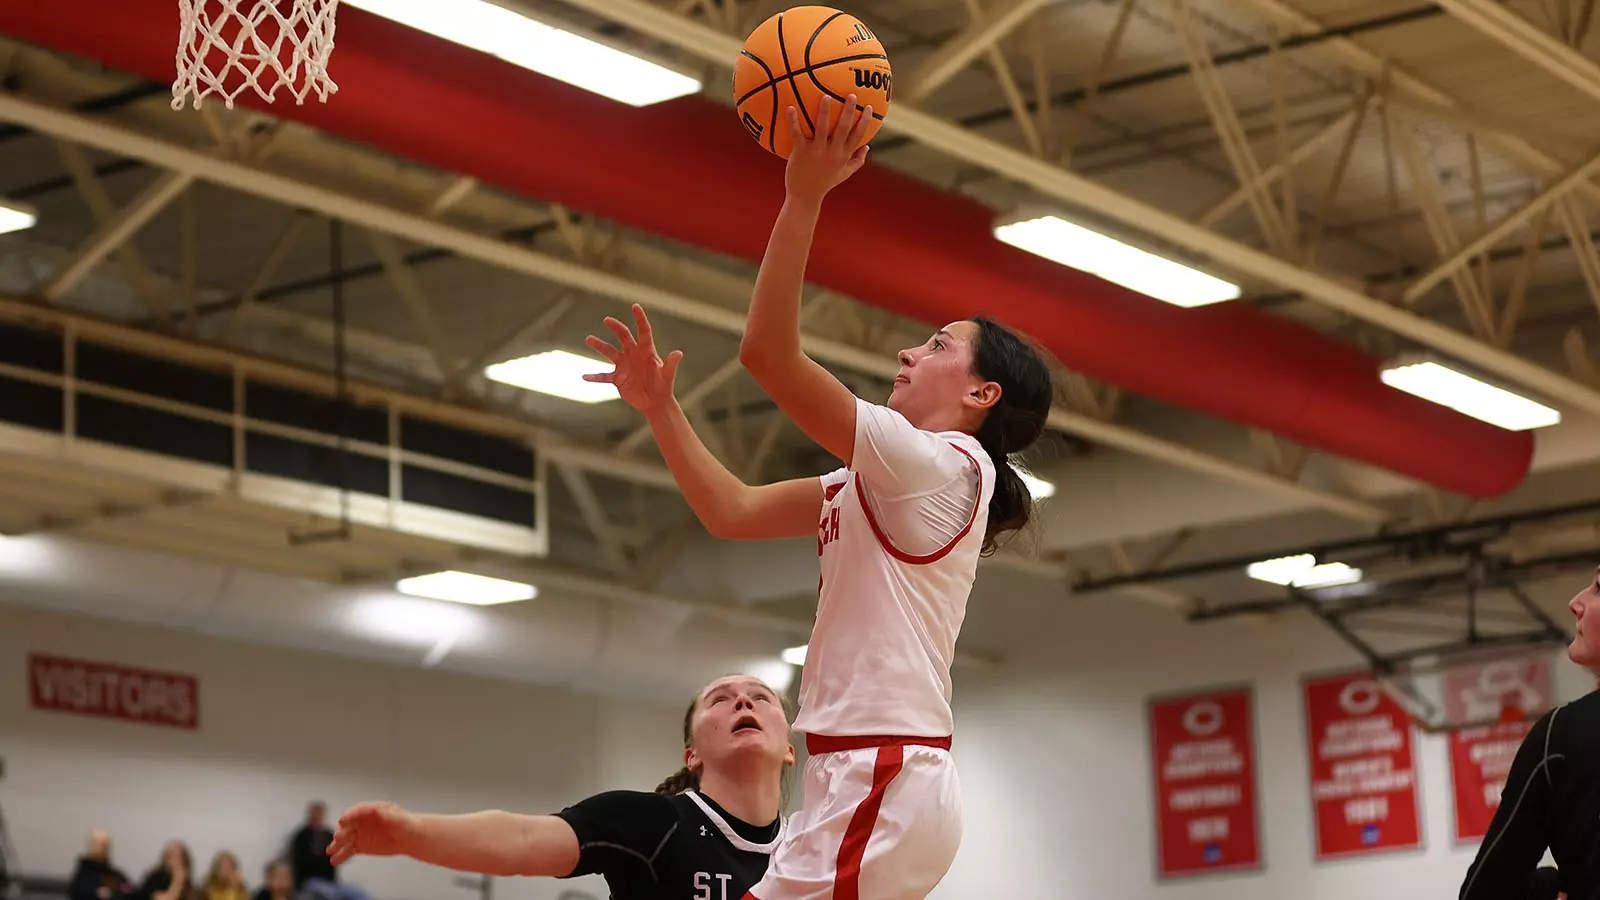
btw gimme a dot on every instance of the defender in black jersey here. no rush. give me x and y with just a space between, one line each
705 834
1552 794
651 846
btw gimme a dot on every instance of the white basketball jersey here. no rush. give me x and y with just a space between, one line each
899 540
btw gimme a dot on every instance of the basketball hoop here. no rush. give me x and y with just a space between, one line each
226 47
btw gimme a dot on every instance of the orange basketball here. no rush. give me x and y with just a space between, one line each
795 59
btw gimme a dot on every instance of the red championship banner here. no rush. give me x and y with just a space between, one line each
1205 784
110 691
1363 768
1516 691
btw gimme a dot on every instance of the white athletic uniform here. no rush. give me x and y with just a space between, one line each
899 539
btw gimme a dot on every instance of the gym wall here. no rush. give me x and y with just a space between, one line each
279 728
1057 775
1053 747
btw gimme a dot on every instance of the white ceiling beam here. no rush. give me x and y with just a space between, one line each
1500 230
115 231
1402 84
594 516
955 54
94 194
1077 191
409 225
1300 154
409 288
1273 220
1530 42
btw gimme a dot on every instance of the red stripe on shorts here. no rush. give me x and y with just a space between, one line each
847 873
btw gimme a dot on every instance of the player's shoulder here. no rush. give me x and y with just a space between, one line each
1580 717
622 804
973 456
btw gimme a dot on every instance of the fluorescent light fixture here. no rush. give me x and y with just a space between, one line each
1437 382
1072 245
1302 571
16 216
465 587
563 55
557 373
412 621
795 656
1037 487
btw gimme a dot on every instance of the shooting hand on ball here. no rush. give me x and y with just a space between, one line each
821 162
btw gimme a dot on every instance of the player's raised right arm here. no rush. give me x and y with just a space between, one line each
491 842
724 504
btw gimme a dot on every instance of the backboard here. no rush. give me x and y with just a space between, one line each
1474 688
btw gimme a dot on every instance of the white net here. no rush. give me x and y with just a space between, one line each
226 47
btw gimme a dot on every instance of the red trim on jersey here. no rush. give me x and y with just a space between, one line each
818 744
853 847
942 552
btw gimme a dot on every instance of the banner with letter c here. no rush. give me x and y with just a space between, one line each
110 691
1203 750
1363 767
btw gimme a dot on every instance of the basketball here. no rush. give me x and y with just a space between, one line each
796 58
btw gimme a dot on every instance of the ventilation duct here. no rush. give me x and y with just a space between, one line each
686 170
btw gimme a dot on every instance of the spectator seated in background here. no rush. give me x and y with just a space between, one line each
95 878
279 884
315 875
171 879
225 881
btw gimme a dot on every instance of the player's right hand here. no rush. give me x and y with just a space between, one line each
642 377
373 829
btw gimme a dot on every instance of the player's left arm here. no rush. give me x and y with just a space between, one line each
818 403
1517 836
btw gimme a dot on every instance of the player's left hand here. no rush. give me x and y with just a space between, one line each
821 162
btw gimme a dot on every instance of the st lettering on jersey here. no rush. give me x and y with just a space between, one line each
712 886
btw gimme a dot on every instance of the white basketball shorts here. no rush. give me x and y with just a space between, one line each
881 821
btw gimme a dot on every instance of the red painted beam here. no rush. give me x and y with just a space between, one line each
687 171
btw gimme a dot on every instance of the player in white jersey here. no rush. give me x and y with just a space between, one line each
926 489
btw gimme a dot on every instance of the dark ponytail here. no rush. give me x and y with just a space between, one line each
1013 424
682 780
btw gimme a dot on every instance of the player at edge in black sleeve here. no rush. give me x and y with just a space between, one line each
705 833
1552 795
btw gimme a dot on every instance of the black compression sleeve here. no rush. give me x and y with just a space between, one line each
1519 833
619 832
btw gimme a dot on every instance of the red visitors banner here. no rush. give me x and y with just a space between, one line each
1480 757
1203 747
110 691
1363 767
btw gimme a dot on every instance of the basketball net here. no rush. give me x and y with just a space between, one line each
226 47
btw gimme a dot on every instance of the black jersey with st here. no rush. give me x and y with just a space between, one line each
660 847
1551 800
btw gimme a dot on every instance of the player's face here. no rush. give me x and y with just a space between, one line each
935 387
738 716
1585 606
